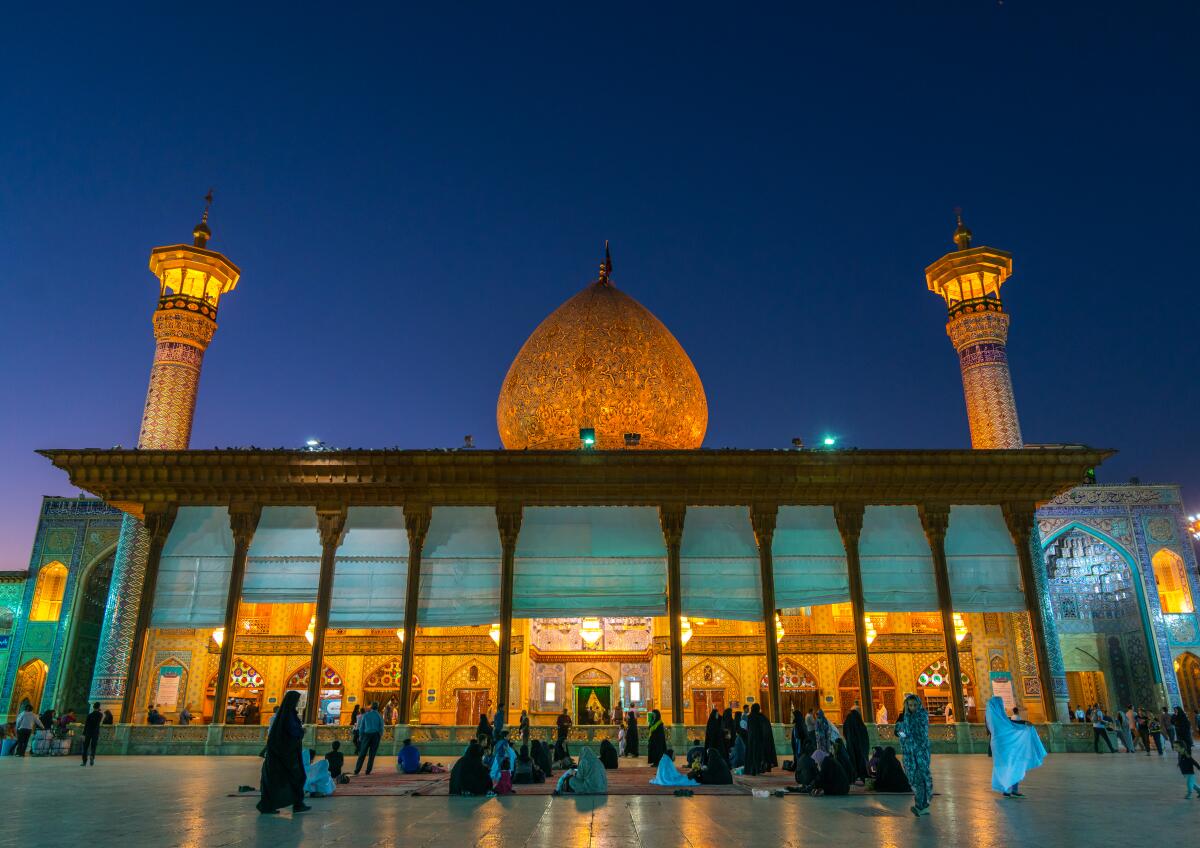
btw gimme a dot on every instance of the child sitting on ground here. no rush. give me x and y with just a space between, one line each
504 784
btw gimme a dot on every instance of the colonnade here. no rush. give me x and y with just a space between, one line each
331 526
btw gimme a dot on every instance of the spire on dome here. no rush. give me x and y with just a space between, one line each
962 236
201 233
606 266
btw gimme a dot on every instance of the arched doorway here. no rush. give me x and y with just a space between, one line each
883 692
933 685
593 697
472 684
383 685
1187 669
329 695
31 680
798 689
710 686
245 701
91 599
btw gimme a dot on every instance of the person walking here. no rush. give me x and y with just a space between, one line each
1100 731
1015 747
370 731
1182 727
631 733
91 734
1187 767
1123 732
27 721
283 769
1143 730
913 730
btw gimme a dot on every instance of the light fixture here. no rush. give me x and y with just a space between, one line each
779 631
590 630
400 633
685 633
494 632
312 443
960 628
870 626
587 437
219 636
829 441
309 633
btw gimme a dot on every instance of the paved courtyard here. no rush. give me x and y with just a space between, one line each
1075 800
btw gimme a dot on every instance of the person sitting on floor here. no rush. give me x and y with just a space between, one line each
562 756
540 754
469 777
336 760
807 767
873 763
695 755
832 778
608 756
503 752
504 786
408 760
317 781
526 770
714 772
889 774
842 752
668 775
589 778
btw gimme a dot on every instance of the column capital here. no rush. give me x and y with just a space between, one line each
508 522
935 518
1019 518
243 521
331 525
763 517
670 518
849 518
416 522
158 521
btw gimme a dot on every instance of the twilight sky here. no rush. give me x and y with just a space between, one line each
408 196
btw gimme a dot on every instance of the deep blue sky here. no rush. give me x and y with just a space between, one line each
408 195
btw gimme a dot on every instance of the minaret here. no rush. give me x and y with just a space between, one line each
191 280
969 279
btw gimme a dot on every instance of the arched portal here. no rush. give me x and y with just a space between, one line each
593 696
329 694
382 685
798 688
883 692
245 696
1170 574
90 601
31 680
933 685
1187 669
48 592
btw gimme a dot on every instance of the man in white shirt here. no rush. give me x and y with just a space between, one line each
25 724
1100 731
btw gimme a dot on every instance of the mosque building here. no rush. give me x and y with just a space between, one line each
602 560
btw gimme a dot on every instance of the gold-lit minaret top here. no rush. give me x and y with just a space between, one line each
969 280
191 280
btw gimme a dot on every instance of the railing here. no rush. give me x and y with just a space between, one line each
976 304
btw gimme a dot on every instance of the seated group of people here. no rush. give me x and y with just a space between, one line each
322 776
704 768
831 773
495 773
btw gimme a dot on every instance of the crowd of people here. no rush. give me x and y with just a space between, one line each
1135 728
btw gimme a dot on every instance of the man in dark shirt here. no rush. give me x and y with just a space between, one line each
335 758
91 734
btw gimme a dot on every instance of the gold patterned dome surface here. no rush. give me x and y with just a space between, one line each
601 360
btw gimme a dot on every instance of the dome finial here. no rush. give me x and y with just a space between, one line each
606 266
201 234
962 236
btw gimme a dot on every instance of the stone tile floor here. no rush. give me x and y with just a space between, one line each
1075 799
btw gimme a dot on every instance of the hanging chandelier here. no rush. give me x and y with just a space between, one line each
779 631
590 630
960 628
870 628
494 632
309 634
685 630
218 636
400 633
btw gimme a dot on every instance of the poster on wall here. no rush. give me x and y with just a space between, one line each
1002 687
169 679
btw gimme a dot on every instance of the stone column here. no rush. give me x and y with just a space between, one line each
243 521
935 520
331 525
763 517
157 526
1053 679
508 520
849 517
416 522
671 518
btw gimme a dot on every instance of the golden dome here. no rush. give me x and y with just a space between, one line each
601 360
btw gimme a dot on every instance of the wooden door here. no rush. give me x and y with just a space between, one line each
471 703
705 701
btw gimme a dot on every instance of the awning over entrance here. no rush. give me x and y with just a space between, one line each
193 574
590 560
982 561
897 565
719 568
460 568
810 561
284 565
371 575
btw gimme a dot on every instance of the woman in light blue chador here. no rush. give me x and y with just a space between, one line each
1016 749
913 730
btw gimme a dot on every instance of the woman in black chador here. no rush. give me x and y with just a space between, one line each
858 744
713 737
631 733
760 743
469 776
283 772
657 746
